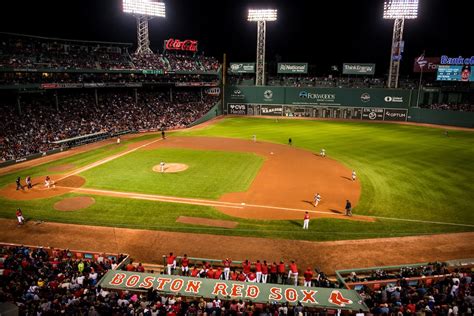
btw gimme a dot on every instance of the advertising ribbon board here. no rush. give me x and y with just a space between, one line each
292 68
395 115
372 114
358 69
256 292
273 110
242 68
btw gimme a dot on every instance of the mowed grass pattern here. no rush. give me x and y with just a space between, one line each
210 173
406 171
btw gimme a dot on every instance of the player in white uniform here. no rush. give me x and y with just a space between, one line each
162 166
317 199
353 175
254 138
323 152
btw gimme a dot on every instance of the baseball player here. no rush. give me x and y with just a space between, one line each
162 166
226 264
171 263
47 182
185 265
19 216
254 138
293 272
118 140
353 175
308 277
323 153
28 182
317 199
306 221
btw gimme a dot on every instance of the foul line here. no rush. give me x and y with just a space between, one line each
203 202
105 160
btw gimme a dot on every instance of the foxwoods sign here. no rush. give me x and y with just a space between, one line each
292 68
317 96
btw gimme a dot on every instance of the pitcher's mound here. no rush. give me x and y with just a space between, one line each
171 167
74 203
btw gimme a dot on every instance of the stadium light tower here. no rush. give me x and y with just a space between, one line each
261 17
398 10
144 10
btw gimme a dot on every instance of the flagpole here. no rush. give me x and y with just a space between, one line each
419 88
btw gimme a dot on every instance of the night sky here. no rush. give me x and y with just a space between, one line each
322 33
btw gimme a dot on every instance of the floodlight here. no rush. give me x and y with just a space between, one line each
262 15
400 9
144 10
144 7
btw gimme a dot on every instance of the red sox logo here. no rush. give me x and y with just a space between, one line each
336 298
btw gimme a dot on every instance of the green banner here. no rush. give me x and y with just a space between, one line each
256 292
242 68
358 69
382 98
292 68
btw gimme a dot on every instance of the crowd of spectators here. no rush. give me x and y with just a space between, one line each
463 107
40 123
451 295
44 53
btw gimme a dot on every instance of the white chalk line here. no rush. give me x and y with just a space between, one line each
105 160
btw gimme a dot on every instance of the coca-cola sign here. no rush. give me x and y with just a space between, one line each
186 45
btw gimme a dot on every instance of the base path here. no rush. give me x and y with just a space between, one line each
286 183
148 246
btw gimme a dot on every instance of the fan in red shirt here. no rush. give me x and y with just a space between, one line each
185 265
218 274
308 277
195 272
293 272
171 262
140 268
210 273
226 264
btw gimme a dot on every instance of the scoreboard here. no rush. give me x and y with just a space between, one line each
454 73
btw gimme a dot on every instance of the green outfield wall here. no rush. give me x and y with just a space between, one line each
337 103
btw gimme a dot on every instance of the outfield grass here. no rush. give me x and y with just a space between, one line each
210 173
406 171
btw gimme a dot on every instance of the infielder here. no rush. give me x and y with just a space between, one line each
317 199
306 221
353 175
323 153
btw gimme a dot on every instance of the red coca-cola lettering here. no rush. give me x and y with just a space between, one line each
186 45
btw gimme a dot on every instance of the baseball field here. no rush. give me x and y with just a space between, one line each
411 180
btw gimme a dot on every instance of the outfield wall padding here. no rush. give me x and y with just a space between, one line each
441 117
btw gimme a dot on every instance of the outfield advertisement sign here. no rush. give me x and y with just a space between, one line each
272 110
292 68
255 292
237 109
358 69
242 68
352 97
